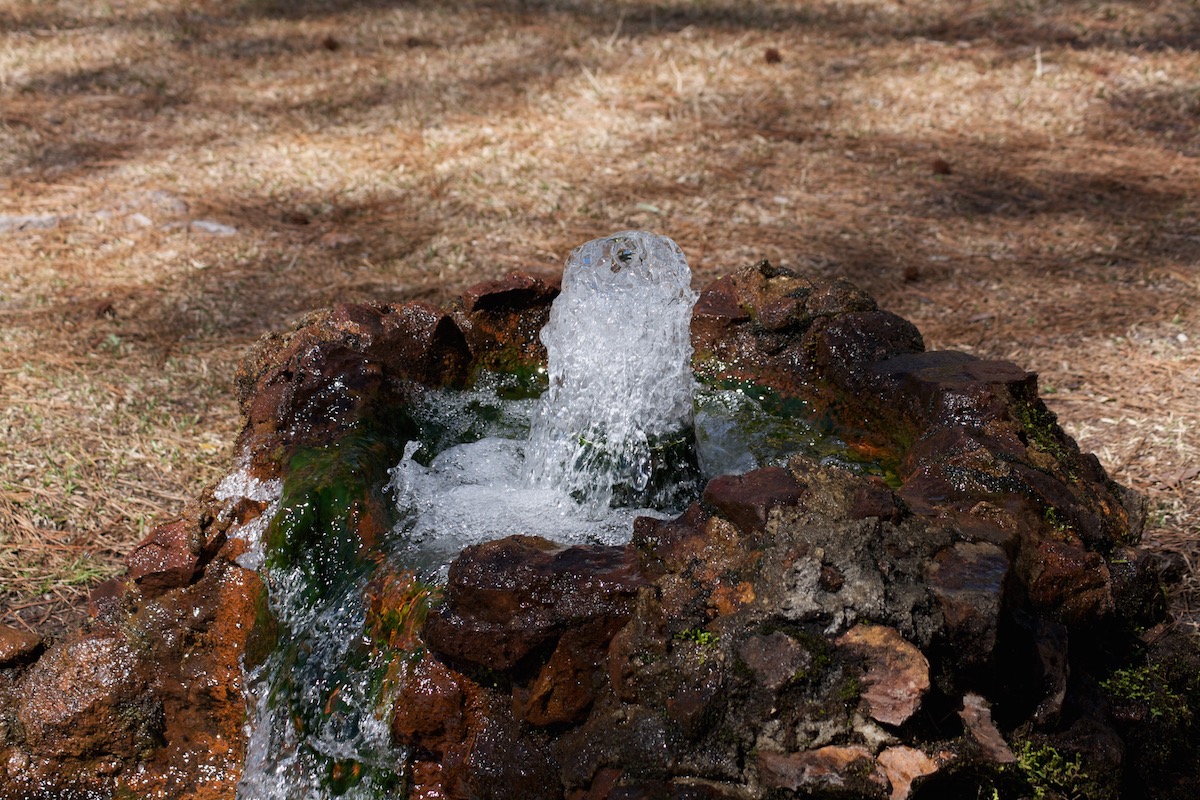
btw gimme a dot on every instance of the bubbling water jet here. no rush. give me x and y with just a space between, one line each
611 438
615 425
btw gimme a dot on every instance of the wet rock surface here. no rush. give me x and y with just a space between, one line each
17 645
975 619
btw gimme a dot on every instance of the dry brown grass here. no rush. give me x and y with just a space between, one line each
389 150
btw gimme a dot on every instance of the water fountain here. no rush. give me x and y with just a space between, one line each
609 440
874 570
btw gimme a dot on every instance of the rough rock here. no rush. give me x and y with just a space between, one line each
87 694
501 319
775 658
507 597
826 766
746 500
430 711
902 765
164 560
976 715
897 673
968 581
17 645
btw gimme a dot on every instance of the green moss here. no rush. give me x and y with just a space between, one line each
776 426
1058 523
1053 775
849 690
333 508
1049 773
703 643
698 636
1147 685
145 719
264 635
523 376
1042 431
517 380
398 610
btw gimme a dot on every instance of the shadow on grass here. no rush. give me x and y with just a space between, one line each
240 298
140 83
1071 23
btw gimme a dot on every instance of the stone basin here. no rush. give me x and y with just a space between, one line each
974 617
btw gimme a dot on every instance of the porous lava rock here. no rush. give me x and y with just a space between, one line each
974 619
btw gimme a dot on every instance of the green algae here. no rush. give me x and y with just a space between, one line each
771 427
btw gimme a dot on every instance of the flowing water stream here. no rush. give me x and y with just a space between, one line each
615 430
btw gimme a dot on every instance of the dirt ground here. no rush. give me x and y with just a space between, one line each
1020 178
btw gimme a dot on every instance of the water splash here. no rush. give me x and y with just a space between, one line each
610 439
615 425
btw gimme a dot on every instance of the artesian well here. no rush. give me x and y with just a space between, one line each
818 560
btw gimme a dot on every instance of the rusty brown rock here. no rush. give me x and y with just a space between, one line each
897 675
427 781
986 521
875 499
166 559
17 645
706 559
811 769
105 598
775 658
506 597
305 386
717 308
501 319
635 739
515 292
1067 582
968 582
89 695
844 346
976 715
1051 641
567 683
782 313
429 711
952 387
668 790
420 342
746 500
644 638
834 298
498 760
695 698
902 765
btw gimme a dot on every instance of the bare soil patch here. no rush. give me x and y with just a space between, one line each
1020 179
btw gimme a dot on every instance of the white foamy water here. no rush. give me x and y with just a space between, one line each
621 382
480 491
238 485
282 763
620 393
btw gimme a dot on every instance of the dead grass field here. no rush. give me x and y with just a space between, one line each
1020 178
